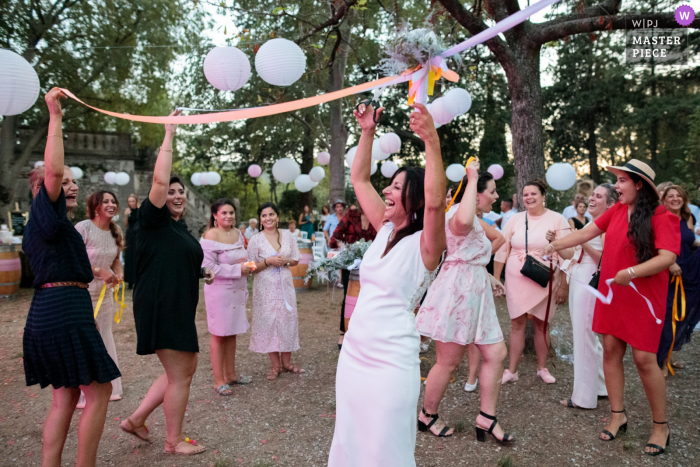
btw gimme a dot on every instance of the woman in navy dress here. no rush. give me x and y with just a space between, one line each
61 343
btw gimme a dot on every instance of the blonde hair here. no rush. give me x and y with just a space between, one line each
37 177
133 195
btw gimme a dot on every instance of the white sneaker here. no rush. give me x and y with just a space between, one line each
424 346
471 387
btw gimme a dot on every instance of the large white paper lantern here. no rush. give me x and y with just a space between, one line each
227 68
110 177
316 174
496 170
77 172
254 170
285 170
440 114
195 179
389 168
377 153
203 179
19 84
213 178
350 156
280 62
455 172
457 101
323 158
374 168
561 176
122 178
390 143
303 183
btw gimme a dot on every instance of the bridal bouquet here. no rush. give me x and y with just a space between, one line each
328 269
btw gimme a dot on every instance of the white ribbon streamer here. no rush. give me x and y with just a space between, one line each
278 271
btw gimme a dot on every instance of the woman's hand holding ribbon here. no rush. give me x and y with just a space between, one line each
622 278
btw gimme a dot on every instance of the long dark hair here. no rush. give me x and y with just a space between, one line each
216 206
640 232
413 201
93 202
261 208
481 185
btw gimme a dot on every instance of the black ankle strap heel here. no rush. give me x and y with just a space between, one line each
620 431
427 426
661 450
481 432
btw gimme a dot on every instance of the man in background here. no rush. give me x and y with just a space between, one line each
252 228
333 220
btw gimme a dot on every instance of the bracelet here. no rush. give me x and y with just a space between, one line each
265 261
166 150
56 136
630 271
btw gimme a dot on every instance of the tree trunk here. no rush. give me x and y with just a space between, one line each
307 163
593 147
8 138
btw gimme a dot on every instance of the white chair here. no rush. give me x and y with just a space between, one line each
318 253
304 235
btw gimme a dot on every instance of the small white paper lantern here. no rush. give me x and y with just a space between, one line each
440 113
303 183
374 168
323 158
122 178
280 62
389 168
254 170
377 153
350 156
561 176
227 68
213 178
316 174
110 177
38 164
455 172
19 84
457 101
285 170
77 172
496 170
390 143
195 179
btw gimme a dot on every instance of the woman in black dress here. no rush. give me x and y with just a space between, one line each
61 344
168 268
131 224
580 220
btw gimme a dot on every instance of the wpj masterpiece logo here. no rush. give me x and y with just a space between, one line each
647 44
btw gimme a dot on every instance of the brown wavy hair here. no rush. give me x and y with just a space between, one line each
685 210
93 202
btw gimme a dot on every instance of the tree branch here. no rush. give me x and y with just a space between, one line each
313 131
332 21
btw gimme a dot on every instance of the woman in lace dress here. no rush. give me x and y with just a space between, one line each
103 241
275 324
378 378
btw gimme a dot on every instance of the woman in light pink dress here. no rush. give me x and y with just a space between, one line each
226 298
459 309
524 295
275 324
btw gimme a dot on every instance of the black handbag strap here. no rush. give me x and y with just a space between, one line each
526 233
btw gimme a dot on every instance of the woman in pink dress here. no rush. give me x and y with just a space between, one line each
226 298
525 296
275 324
459 310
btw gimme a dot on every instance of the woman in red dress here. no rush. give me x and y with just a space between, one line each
642 241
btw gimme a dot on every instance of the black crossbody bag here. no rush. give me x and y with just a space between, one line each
533 269
596 275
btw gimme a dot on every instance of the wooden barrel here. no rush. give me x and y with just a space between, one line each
299 271
351 297
10 271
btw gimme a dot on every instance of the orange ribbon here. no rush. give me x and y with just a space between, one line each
469 161
674 316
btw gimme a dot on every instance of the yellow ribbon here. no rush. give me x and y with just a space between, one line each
469 161
99 300
122 305
674 316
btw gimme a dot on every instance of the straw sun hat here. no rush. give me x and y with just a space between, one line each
636 167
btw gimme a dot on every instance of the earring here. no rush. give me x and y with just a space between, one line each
216 224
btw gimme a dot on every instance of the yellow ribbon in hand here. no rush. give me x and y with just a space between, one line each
122 305
99 300
469 161
674 316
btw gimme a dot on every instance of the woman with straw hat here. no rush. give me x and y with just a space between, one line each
642 241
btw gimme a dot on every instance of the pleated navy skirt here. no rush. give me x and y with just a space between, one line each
62 346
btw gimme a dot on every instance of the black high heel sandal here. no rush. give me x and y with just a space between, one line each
481 432
426 427
656 446
620 431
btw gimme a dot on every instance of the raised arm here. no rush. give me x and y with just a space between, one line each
573 239
463 220
495 237
53 155
369 199
164 163
432 242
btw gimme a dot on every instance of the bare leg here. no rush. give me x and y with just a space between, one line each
449 355
179 369
154 398
287 363
474 358
541 346
230 359
92 422
655 389
517 341
217 351
490 382
275 365
57 425
613 352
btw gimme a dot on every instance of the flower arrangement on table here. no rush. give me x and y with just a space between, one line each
327 269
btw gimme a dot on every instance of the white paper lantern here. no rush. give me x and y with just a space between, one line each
316 174
203 179
226 68
285 170
213 178
561 176
377 153
19 84
390 143
457 101
350 156
38 164
374 168
254 170
122 178
110 177
303 183
323 158
455 172
440 113
280 62
389 168
195 179
77 172
496 170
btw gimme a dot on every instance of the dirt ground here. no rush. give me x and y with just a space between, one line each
289 422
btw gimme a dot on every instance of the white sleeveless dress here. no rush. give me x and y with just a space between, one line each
378 377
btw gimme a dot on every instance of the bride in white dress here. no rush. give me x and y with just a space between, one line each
378 378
